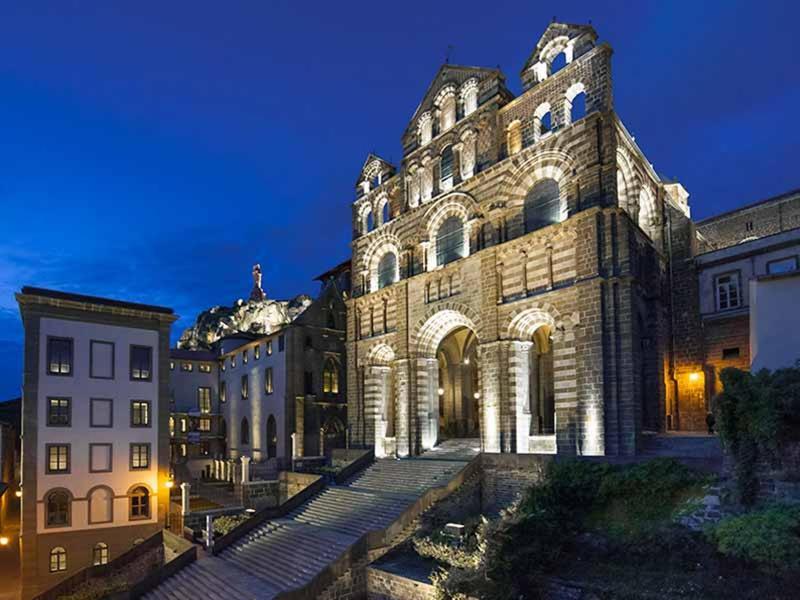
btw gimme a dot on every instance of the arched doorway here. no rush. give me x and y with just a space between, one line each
458 391
541 390
272 437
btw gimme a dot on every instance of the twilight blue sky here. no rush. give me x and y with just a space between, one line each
154 151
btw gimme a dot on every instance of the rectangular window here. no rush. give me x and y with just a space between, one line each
281 343
57 458
309 382
728 291
101 412
268 380
140 456
204 399
183 425
244 387
730 353
782 265
223 391
101 360
140 413
172 365
59 412
269 347
59 356
244 357
183 449
204 424
204 368
141 363
100 458
187 366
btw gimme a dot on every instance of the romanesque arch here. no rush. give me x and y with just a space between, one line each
380 399
456 204
530 169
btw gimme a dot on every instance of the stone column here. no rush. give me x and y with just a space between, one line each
294 444
402 399
490 394
245 469
376 407
232 470
185 488
428 401
519 392
322 441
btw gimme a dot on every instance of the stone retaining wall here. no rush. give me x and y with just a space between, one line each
382 585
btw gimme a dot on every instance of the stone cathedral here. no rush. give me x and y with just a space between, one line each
510 276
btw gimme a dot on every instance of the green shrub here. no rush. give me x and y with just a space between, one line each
226 524
770 537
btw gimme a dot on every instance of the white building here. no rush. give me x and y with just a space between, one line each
775 320
95 453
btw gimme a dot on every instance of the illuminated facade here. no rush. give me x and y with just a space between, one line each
509 277
95 452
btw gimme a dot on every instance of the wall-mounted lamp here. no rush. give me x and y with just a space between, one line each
695 376
4 540
441 391
477 395
466 361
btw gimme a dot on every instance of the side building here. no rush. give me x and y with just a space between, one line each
196 426
95 450
283 394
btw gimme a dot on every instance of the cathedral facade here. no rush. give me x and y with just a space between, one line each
510 278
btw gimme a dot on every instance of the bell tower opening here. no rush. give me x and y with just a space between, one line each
459 391
541 390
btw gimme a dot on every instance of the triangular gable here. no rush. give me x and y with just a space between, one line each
557 30
373 165
450 74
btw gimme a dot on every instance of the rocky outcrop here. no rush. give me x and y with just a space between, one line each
248 316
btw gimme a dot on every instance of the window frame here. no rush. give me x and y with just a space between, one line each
149 414
113 359
110 457
186 366
148 447
61 559
257 352
269 348
223 391
103 548
269 384
110 412
792 257
204 367
146 505
71 354
68 411
200 390
443 251
717 301
68 516
47 469
245 387
89 505
200 422
130 362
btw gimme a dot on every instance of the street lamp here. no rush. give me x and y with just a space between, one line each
4 540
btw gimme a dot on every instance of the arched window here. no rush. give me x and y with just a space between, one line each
139 503
545 123
369 221
448 113
558 63
469 97
100 553
331 317
330 378
514 137
386 212
449 241
58 560
272 438
57 506
425 128
577 108
101 505
542 205
244 438
387 270
446 169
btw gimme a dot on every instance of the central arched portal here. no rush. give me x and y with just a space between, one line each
459 392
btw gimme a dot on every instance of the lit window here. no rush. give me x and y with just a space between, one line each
204 424
782 265
183 449
140 456
58 560
100 554
728 291
172 365
244 357
269 347
268 380
449 241
57 507
172 426
244 387
140 413
183 425
204 368
187 366
233 361
59 356
58 458
141 363
223 391
446 169
330 378
58 412
139 503
257 352
204 399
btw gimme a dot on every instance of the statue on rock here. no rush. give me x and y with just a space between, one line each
257 293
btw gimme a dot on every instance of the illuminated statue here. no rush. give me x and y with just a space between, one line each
257 293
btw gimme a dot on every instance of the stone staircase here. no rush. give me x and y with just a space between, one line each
288 553
699 450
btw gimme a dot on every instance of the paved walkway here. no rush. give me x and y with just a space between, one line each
288 553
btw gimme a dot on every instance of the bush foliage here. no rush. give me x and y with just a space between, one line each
769 537
756 415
